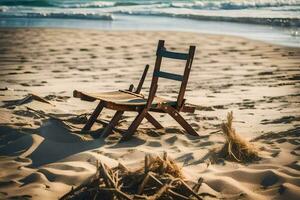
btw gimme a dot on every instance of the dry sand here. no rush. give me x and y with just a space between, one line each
42 157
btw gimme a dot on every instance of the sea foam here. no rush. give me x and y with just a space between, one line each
268 12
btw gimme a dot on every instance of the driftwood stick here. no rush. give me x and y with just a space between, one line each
160 192
177 195
165 156
116 178
122 167
106 176
147 162
190 190
163 167
155 179
110 182
143 184
197 186
122 195
32 97
164 163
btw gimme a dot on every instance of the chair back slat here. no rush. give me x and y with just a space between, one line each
169 54
167 75
188 66
162 52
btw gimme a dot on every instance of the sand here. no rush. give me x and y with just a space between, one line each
43 155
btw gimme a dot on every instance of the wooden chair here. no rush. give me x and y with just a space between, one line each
129 100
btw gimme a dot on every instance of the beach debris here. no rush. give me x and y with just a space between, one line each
41 113
29 98
53 97
160 178
236 148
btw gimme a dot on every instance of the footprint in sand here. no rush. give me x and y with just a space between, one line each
110 48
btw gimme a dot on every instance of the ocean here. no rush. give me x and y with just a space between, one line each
275 21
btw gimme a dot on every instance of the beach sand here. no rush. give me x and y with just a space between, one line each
43 156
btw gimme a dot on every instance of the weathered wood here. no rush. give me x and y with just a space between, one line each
113 122
131 87
174 55
197 186
33 96
184 108
78 94
139 118
177 195
160 192
94 116
186 75
151 175
175 114
153 121
190 190
122 167
165 156
168 75
143 184
140 85
132 128
106 176
116 178
147 162
132 93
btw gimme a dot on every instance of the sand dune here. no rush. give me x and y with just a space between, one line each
43 154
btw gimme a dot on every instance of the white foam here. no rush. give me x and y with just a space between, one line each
232 5
65 14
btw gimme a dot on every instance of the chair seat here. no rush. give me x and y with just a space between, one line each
122 98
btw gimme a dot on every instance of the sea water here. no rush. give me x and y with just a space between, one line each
275 21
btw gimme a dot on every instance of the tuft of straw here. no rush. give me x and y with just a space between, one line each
236 148
162 165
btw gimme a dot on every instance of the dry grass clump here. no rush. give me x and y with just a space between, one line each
160 179
236 148
163 165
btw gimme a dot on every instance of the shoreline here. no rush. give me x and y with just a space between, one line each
273 35
157 31
43 157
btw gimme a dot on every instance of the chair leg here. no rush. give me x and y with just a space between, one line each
175 114
94 116
153 121
134 125
114 121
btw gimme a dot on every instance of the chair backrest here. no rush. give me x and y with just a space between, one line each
157 73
